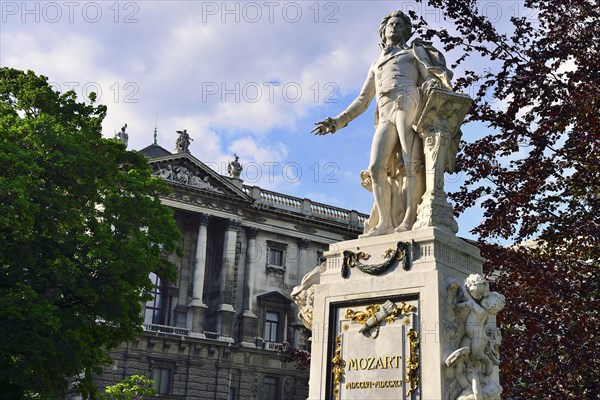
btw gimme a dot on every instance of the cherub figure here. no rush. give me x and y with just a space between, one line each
476 338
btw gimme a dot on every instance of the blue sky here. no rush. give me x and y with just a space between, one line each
249 78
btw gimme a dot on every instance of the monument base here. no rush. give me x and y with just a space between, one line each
379 318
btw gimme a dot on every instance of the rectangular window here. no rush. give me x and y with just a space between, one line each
276 257
155 309
271 326
271 388
162 380
276 253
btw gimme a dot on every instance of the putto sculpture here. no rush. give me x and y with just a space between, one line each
473 340
403 81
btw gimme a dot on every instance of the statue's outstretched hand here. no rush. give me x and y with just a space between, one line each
328 125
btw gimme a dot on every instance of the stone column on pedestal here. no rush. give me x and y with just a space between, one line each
197 306
249 320
226 310
437 124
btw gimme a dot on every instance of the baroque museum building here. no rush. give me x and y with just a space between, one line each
218 331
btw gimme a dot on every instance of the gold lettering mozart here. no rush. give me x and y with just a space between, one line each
368 363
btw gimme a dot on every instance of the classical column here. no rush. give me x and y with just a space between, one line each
198 307
251 259
200 262
249 326
225 311
301 271
302 261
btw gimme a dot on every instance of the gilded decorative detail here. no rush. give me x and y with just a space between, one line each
337 367
375 315
353 260
412 363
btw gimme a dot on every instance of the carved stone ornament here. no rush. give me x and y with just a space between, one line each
305 228
183 175
472 340
337 367
438 122
374 315
254 217
304 295
200 200
352 260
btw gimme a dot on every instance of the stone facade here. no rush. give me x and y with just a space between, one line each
215 332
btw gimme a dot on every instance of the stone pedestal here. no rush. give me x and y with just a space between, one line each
249 329
225 322
198 313
379 322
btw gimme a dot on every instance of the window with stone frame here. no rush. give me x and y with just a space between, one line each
156 310
162 375
271 331
271 389
273 319
276 253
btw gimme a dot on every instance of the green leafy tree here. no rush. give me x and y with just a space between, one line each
536 174
81 228
134 387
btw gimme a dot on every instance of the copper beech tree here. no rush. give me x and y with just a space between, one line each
534 170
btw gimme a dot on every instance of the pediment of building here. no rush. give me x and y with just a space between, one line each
187 172
274 297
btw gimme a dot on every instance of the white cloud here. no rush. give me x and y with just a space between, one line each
172 50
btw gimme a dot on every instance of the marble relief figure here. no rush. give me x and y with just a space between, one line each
474 340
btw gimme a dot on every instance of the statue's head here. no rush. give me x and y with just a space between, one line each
477 286
403 19
493 302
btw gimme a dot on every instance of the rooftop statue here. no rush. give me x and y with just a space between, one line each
234 168
183 142
122 135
